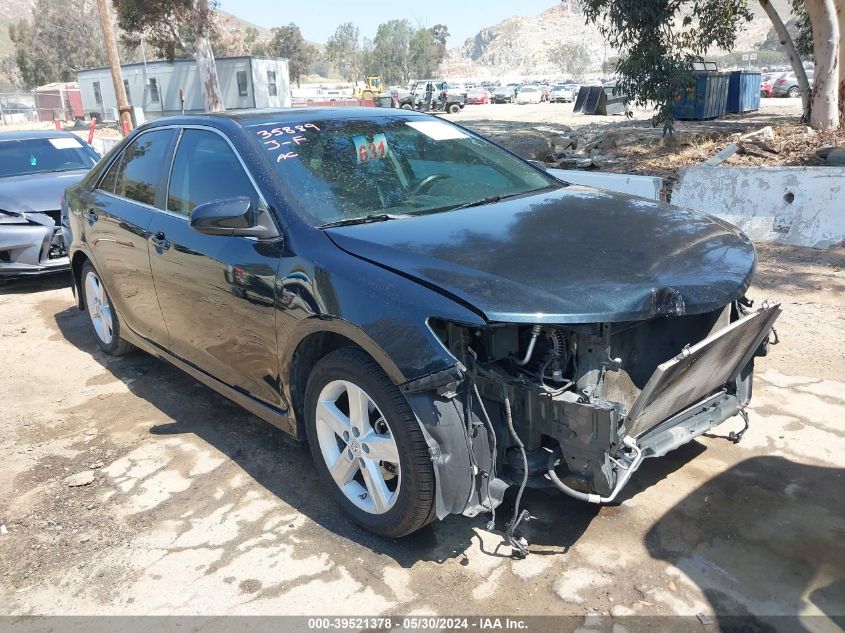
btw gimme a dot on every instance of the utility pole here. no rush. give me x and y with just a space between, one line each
123 107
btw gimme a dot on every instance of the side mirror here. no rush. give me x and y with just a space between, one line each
233 216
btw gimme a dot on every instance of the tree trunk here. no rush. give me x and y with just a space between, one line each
840 13
204 56
207 70
794 58
825 104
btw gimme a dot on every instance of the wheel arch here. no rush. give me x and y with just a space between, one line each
317 338
76 263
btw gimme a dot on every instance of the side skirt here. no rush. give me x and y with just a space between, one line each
275 416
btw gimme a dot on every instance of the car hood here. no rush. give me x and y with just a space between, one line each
37 192
573 255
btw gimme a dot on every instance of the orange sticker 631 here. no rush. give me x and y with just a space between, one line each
371 150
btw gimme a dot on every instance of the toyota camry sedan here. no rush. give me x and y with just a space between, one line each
437 318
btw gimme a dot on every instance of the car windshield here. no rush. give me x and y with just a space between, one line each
37 155
351 169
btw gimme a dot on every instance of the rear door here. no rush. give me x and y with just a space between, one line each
216 292
116 217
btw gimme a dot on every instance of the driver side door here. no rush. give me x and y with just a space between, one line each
216 292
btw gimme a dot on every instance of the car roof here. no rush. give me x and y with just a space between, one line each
250 118
25 135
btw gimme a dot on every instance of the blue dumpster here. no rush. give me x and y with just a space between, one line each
744 91
706 98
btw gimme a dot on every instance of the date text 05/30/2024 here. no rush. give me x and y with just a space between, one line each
415 623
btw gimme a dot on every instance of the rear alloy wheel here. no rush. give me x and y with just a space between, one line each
101 314
367 445
793 92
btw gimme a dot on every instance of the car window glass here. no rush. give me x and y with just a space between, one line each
352 168
107 183
141 166
39 155
204 169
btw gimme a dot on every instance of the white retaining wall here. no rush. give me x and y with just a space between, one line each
795 205
643 186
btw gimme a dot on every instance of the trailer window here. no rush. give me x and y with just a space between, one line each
242 88
154 96
271 83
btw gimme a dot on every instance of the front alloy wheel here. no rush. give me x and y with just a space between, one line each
357 447
367 445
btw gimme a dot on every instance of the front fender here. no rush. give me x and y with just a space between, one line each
386 314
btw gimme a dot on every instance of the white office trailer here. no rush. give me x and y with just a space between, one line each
160 88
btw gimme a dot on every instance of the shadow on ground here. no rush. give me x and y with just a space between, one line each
762 538
30 285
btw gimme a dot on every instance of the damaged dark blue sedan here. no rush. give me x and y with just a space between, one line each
436 317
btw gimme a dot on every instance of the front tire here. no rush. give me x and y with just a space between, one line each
101 313
367 445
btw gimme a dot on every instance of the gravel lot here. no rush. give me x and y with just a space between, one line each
192 506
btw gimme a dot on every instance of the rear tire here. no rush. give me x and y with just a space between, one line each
793 92
102 315
454 108
383 477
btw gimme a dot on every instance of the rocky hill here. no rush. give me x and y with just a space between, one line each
520 46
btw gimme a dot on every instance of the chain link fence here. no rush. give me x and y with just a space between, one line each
53 102
18 107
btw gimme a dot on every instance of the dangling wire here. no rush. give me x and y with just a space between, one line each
520 545
493 452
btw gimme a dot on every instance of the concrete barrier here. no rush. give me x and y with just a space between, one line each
644 186
804 206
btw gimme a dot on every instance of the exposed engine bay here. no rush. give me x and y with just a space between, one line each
578 407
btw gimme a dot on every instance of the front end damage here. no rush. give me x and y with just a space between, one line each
31 243
578 407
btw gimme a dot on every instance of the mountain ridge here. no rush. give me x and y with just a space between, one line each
520 45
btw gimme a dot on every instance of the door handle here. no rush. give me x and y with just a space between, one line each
91 215
159 241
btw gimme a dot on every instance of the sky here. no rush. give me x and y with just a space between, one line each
318 19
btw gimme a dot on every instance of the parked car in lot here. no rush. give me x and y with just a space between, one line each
530 93
787 85
766 82
35 169
503 94
434 94
436 317
478 96
563 93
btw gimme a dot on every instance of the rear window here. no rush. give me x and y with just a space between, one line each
141 166
39 155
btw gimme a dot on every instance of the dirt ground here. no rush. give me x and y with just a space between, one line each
196 507
634 146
